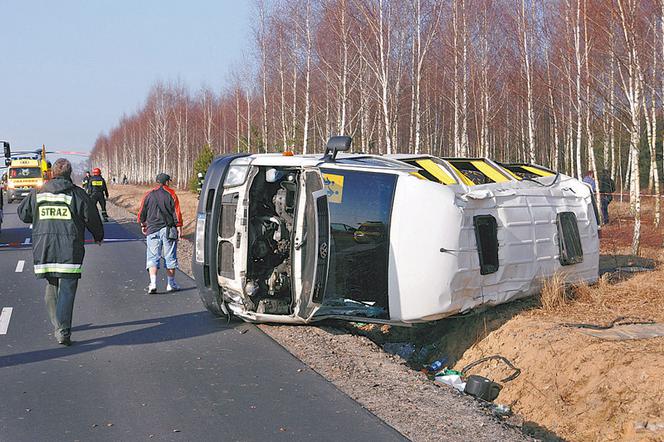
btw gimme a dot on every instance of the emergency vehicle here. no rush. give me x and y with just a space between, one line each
23 175
397 240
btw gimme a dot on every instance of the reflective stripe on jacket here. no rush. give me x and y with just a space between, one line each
60 212
97 184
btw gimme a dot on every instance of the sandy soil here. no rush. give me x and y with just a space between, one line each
383 383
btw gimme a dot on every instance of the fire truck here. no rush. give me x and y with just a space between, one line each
26 172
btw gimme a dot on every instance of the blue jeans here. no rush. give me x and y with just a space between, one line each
158 247
59 296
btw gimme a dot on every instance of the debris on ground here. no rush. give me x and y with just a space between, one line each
628 332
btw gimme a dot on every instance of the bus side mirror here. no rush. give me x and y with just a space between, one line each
335 145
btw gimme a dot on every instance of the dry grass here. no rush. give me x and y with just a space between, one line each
639 297
554 293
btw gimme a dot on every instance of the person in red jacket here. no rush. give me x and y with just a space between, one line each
161 223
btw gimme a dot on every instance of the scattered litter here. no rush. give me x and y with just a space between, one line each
627 332
620 320
402 349
655 426
501 410
453 380
516 371
437 365
633 269
482 388
474 385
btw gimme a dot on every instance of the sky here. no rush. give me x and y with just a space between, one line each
69 69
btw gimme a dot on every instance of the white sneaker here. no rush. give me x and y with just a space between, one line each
173 287
152 289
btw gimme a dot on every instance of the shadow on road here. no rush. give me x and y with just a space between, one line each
170 328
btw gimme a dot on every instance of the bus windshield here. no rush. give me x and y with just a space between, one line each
25 172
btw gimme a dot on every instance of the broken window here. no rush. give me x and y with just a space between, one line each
569 240
528 171
486 235
479 171
430 170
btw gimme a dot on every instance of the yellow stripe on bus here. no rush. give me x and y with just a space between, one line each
464 179
489 171
435 170
537 171
512 174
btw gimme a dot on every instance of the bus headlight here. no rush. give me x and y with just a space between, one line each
237 172
200 238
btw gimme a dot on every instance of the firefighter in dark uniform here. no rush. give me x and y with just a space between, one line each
98 191
59 213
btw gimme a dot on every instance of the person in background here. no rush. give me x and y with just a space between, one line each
124 179
160 217
85 183
606 189
589 179
59 213
99 191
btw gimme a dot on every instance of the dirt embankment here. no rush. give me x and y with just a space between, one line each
577 386
572 385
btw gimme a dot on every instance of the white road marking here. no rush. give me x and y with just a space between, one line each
27 241
19 266
5 316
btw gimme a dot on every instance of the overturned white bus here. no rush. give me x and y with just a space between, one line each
399 240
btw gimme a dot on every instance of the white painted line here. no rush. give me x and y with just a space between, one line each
27 241
19 266
5 316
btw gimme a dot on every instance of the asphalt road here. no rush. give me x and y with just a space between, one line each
147 367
